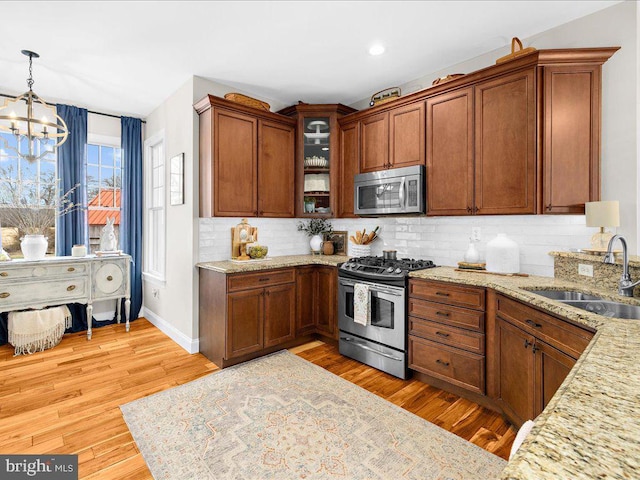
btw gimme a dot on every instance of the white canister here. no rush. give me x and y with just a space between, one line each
79 251
503 255
472 255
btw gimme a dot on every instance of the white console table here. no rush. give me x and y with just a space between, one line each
61 280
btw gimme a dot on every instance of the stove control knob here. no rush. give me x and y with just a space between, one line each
390 269
398 270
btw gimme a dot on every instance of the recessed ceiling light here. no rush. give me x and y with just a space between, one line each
376 49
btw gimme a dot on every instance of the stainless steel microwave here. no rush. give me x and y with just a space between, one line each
395 191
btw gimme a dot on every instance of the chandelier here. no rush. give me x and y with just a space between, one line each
33 135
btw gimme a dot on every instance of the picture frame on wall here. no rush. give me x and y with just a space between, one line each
176 179
339 240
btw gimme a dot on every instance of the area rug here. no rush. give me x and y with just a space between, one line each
282 417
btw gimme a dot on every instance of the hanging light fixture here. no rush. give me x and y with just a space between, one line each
33 133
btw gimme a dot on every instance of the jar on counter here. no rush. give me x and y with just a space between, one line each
79 251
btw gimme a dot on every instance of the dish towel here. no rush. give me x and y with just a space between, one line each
36 330
361 304
520 437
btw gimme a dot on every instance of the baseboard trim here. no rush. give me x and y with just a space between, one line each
191 345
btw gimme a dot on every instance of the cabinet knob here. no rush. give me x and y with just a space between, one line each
475 209
261 212
71 269
109 278
469 209
446 364
548 207
4 294
71 288
527 344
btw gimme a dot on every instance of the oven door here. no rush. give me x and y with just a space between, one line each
388 324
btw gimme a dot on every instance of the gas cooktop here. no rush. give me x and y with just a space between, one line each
381 268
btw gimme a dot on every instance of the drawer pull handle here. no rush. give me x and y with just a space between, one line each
71 288
442 334
4 274
71 269
442 294
264 279
446 364
527 344
532 323
442 314
4 294
109 278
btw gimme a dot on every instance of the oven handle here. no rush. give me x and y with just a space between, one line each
401 195
372 288
366 347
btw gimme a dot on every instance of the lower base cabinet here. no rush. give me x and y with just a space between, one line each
527 368
245 315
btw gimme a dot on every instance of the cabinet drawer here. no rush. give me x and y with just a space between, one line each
243 281
447 363
449 293
563 335
455 337
453 316
46 292
37 271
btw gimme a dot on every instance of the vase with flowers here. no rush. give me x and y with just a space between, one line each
34 213
314 228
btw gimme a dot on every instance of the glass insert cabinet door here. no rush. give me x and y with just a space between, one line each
316 164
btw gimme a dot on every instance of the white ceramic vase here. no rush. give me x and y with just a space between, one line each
316 243
503 255
34 247
472 255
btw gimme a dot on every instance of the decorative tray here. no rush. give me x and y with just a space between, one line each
253 260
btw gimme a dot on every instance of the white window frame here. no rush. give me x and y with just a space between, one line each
155 239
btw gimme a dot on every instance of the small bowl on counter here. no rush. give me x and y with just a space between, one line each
256 252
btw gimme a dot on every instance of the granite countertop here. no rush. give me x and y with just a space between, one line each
228 266
590 429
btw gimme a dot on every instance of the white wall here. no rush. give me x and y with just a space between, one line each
173 306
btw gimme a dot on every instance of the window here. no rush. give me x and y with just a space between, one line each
104 183
26 190
154 251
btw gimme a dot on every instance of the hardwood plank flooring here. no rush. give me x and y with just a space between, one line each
66 399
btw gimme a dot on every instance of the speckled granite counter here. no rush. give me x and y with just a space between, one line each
591 427
228 266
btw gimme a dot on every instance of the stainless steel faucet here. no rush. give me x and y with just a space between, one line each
625 286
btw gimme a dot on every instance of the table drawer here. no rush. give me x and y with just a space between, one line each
447 363
449 293
453 316
243 281
563 335
12 272
44 293
455 337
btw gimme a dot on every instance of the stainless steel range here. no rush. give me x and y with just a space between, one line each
381 341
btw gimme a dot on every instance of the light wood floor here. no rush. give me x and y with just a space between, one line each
65 400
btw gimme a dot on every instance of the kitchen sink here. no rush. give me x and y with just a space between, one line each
592 303
562 295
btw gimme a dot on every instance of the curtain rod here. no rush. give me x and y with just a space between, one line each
88 111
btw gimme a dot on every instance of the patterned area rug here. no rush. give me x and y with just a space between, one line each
281 417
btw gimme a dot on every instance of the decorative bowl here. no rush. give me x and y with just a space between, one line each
257 251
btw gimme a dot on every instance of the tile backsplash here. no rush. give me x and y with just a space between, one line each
441 239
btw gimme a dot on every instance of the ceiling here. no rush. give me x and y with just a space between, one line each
127 57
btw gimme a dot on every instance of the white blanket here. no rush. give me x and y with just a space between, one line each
361 304
36 330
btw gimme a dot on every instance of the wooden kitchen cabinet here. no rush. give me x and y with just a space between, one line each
318 158
532 353
349 168
246 322
317 300
446 333
505 144
393 139
279 314
246 160
450 167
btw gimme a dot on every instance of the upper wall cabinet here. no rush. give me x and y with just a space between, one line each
318 183
393 139
246 161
